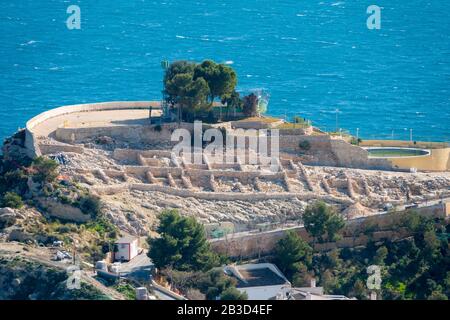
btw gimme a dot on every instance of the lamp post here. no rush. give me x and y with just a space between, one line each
164 104
337 120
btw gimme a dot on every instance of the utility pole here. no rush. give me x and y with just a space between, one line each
74 250
410 135
164 104
357 134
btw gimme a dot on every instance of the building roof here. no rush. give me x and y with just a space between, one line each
256 275
126 239
259 278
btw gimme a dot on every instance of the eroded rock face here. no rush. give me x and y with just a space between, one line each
14 224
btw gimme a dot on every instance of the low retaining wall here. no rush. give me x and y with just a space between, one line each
250 245
157 171
241 175
132 154
56 148
217 196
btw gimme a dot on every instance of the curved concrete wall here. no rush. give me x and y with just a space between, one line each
438 160
30 138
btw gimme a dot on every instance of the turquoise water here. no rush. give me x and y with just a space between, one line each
312 56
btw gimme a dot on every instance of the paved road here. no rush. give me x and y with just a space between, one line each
140 268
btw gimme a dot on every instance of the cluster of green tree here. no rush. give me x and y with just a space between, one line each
14 178
184 256
323 222
201 285
416 267
192 88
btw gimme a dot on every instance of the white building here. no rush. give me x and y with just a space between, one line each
126 248
260 281
264 281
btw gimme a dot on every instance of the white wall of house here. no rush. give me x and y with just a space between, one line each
262 293
126 250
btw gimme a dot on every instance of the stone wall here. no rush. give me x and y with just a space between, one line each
251 245
133 133
327 151
296 131
352 156
217 196
56 148
132 154
63 211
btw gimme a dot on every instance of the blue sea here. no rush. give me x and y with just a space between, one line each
313 56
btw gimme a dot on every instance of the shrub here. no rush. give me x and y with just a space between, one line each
233 294
103 227
127 290
14 180
355 141
304 145
45 170
12 200
90 204
323 220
